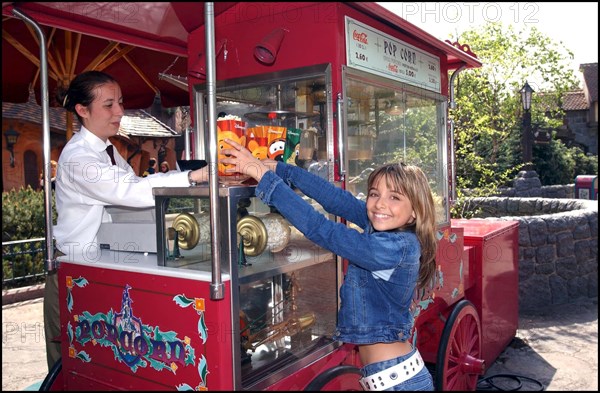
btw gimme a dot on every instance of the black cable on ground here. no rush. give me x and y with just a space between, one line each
488 383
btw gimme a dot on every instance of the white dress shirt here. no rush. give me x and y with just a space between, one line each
86 181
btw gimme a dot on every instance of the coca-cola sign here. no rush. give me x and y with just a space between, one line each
373 51
360 37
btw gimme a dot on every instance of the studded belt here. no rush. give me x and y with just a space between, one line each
394 375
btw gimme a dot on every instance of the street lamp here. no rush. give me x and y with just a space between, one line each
11 140
526 137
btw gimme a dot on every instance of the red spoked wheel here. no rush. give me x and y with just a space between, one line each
459 362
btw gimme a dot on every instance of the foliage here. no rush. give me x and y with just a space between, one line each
23 214
487 120
558 164
23 264
585 164
23 218
554 163
465 208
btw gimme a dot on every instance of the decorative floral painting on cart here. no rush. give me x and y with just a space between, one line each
133 343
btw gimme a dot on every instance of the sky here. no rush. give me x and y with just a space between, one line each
575 24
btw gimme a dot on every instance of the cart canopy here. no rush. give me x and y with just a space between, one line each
152 38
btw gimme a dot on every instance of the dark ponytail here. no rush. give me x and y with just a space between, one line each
81 90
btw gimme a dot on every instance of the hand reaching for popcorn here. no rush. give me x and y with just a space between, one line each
239 159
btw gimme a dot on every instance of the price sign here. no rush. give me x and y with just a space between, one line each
373 51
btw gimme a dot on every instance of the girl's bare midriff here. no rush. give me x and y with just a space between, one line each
379 352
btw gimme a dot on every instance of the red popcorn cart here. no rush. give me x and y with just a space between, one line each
228 295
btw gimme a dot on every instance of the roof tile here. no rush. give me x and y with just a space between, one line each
135 122
574 101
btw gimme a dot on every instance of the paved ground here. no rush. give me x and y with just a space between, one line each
557 346
23 347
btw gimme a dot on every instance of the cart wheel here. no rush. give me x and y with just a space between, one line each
52 376
459 362
340 378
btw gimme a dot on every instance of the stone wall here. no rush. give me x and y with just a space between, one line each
558 247
561 191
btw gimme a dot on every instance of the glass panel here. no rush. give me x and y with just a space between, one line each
284 287
392 122
284 317
264 243
287 293
287 285
187 228
285 115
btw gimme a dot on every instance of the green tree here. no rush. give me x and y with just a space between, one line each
488 118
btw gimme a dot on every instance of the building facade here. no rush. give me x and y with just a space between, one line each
581 112
142 136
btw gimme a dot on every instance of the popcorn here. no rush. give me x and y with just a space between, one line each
229 117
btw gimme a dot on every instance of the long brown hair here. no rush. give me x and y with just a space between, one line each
412 182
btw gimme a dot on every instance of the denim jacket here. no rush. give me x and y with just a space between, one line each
383 266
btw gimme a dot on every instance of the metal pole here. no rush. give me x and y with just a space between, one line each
216 286
452 156
50 263
526 141
186 135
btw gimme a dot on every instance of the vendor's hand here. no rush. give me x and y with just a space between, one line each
200 175
241 160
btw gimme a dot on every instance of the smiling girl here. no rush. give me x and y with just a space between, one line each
392 255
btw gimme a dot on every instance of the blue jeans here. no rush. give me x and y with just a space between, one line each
421 381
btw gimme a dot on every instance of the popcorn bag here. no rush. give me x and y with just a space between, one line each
233 124
230 127
292 145
257 141
276 137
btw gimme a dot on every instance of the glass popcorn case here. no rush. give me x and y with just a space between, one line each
283 287
284 116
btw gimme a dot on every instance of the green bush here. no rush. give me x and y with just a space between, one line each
585 164
23 218
555 163
23 214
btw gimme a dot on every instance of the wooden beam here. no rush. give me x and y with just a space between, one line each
121 52
75 57
141 74
18 46
25 52
68 53
52 66
101 56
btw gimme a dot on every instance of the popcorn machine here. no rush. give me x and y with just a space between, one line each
337 89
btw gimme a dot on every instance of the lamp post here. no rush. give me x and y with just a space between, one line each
11 140
526 137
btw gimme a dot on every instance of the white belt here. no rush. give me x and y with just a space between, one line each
394 375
